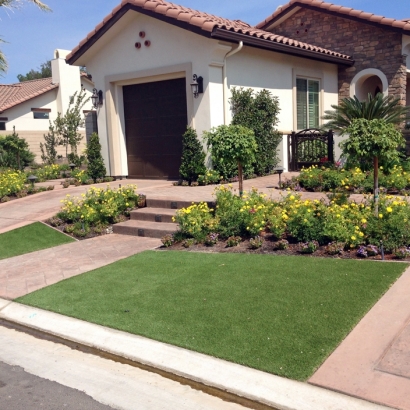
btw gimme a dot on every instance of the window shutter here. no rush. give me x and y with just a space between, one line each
301 103
313 104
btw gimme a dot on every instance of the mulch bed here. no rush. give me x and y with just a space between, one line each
269 248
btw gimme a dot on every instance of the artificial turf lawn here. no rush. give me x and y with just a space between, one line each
30 238
279 314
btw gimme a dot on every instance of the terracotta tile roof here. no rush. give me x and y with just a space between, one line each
343 11
14 94
209 25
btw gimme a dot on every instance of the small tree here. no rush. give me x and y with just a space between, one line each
375 140
96 168
193 156
48 149
259 112
67 126
233 144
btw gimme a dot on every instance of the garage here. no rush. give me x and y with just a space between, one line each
155 119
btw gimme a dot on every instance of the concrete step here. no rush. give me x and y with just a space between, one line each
153 214
145 228
172 203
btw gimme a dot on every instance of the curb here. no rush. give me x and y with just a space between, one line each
230 381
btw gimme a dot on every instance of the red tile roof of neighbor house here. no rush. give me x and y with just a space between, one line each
342 11
14 94
210 26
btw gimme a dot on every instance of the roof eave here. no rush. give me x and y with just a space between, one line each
227 35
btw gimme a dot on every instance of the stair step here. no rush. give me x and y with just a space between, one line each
172 204
145 228
153 214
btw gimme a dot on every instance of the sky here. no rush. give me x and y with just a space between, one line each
31 36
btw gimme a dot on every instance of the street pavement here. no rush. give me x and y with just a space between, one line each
57 377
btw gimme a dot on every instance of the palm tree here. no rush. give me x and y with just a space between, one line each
378 107
16 4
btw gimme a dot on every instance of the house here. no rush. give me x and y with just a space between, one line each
29 106
379 46
144 56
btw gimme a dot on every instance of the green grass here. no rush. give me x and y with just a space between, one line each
30 238
283 315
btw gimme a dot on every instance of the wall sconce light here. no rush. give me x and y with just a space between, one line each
97 98
197 86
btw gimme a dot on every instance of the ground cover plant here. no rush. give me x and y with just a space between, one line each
396 179
282 315
30 238
300 221
95 210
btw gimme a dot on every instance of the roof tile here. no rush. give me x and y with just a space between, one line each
401 24
208 23
14 94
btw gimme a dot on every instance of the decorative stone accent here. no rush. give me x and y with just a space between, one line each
369 45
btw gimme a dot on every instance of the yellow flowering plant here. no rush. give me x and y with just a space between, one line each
11 182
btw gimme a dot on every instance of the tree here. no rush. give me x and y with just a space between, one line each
259 112
193 156
96 168
375 140
233 144
14 4
14 152
48 149
67 125
378 107
43 72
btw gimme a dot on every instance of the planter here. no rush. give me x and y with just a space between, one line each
142 199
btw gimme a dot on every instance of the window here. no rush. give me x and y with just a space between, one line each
2 126
307 103
41 113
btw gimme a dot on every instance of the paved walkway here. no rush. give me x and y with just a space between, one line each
26 273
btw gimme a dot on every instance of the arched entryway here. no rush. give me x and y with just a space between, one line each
370 81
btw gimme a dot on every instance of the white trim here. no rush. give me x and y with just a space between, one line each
365 74
315 75
115 109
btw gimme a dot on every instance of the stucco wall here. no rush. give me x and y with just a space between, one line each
177 52
370 46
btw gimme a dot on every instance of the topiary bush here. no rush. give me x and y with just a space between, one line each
193 157
96 168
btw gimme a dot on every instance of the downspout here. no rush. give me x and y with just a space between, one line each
225 80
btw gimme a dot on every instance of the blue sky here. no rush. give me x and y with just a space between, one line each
32 35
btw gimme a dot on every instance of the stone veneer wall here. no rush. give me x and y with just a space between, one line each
370 46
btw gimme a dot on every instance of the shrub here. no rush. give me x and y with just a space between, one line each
193 157
98 206
167 240
282 245
308 247
211 239
195 221
49 148
15 152
96 168
186 243
260 113
209 177
256 242
335 248
402 253
233 241
47 172
11 182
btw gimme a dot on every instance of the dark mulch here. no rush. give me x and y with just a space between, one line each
269 247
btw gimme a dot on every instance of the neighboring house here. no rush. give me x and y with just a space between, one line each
379 46
29 106
143 57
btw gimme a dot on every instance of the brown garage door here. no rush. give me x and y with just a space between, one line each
155 119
